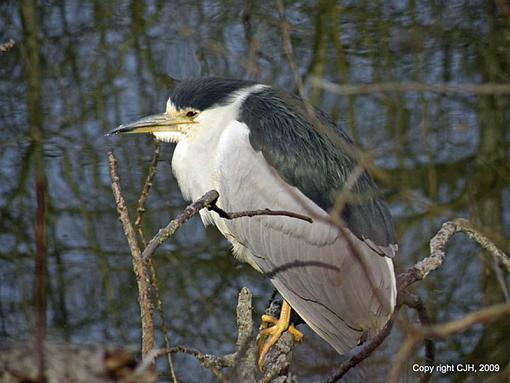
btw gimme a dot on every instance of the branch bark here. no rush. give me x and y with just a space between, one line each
208 200
417 273
163 234
365 351
385 87
139 267
146 190
252 213
244 359
278 360
437 252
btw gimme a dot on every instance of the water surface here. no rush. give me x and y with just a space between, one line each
80 68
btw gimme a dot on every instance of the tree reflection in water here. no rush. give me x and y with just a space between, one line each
77 69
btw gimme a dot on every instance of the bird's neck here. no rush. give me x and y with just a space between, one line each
193 162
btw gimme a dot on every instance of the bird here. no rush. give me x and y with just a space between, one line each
262 147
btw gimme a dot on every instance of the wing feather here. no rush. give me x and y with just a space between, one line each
309 263
317 157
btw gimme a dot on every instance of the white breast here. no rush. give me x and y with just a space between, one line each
197 165
194 166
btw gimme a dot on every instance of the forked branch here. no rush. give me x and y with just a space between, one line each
417 273
243 360
139 267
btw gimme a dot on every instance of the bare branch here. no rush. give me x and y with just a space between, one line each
468 228
485 315
404 280
246 354
277 360
208 200
346 192
154 279
414 301
289 52
139 267
163 234
437 253
385 87
252 213
411 300
365 351
146 190
211 362
423 268
243 359
164 327
403 355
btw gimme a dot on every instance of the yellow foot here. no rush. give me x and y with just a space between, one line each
270 335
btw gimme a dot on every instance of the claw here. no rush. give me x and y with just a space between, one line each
269 335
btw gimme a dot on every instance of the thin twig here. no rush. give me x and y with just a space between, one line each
163 234
317 124
208 200
252 213
153 274
365 351
146 190
468 228
415 302
385 87
41 255
485 315
211 362
250 37
287 47
243 359
437 253
139 267
164 327
412 275
402 356
363 161
368 348
443 330
424 267
343 196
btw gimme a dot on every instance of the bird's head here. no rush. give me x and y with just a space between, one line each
194 104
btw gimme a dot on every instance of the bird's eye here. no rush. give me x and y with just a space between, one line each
191 113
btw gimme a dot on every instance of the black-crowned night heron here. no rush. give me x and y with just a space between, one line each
260 147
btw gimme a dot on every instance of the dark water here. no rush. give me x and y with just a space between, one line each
79 68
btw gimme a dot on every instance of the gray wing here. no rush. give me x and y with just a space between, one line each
317 157
310 264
